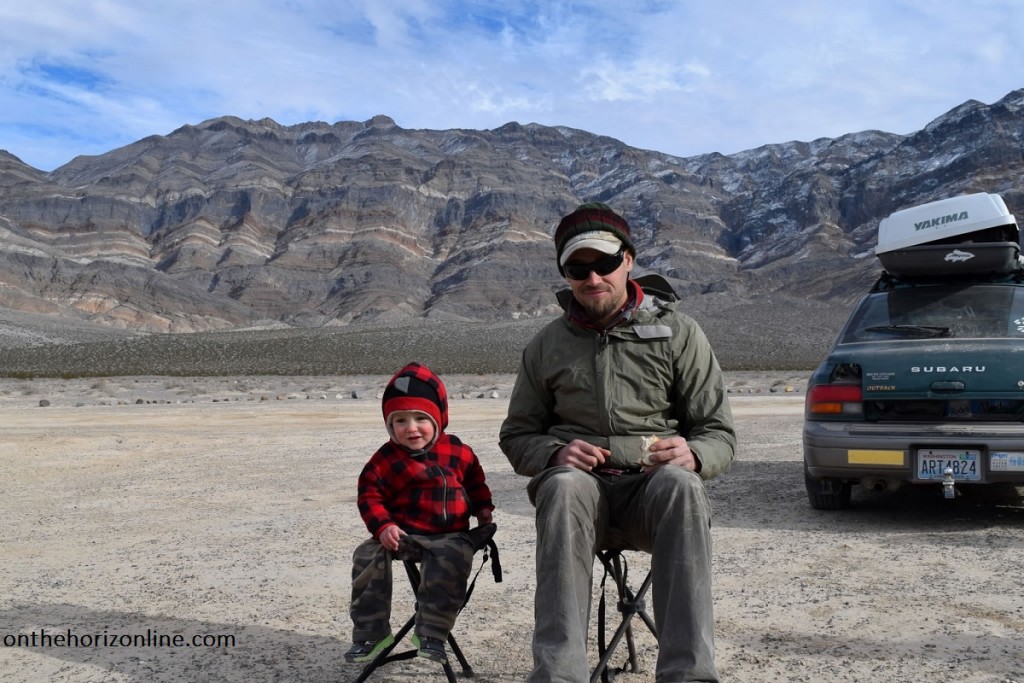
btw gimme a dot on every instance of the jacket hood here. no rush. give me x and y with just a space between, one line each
416 387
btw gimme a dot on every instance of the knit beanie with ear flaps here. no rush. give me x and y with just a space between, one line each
589 226
416 387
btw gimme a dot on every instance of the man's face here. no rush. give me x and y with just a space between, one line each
600 295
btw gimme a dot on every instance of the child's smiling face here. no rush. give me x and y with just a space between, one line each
412 429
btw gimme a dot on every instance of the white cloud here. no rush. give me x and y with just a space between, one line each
637 81
85 76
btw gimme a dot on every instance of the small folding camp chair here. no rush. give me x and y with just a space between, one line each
630 604
490 552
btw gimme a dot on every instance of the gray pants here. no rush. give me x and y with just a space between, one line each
444 571
666 513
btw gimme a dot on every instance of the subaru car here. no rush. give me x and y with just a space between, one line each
924 385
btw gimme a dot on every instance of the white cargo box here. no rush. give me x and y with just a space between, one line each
972 234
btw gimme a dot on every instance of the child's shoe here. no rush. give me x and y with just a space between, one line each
365 651
430 648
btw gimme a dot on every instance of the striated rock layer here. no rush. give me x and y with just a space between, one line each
235 223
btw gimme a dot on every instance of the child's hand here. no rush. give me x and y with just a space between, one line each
483 518
389 537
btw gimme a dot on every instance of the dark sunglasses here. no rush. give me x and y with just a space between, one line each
602 266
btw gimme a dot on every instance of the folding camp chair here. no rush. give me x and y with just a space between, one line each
630 604
490 552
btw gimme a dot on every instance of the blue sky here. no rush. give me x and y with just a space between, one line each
684 77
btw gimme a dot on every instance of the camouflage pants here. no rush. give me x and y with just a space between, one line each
447 560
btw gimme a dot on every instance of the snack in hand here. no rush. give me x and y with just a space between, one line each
645 452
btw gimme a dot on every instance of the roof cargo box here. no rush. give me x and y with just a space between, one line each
968 235
944 260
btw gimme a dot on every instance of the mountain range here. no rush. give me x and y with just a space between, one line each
233 224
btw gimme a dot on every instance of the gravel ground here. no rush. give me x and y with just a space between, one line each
226 507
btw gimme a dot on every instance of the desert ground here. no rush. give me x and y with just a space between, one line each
223 510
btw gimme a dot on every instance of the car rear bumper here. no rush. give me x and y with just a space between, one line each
857 450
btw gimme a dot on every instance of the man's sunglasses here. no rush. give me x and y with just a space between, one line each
602 266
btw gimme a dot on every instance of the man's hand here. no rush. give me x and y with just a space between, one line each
484 517
672 450
389 537
581 455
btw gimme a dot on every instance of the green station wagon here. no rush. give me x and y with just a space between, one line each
925 384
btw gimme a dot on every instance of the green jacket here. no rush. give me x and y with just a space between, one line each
653 374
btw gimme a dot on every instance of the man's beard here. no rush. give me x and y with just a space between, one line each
598 311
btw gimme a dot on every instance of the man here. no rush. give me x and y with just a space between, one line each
621 366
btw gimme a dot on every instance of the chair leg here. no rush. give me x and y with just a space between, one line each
385 656
467 670
629 605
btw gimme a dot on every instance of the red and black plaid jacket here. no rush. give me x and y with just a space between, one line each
432 492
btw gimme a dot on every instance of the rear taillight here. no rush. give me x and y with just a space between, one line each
835 399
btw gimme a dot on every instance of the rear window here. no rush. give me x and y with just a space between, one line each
928 312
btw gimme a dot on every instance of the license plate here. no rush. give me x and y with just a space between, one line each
932 463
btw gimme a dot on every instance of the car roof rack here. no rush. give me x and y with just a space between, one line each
887 281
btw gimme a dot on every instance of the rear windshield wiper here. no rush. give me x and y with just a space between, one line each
912 330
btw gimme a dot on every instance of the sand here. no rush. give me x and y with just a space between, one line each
223 510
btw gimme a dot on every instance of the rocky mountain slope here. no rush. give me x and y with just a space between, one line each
231 224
